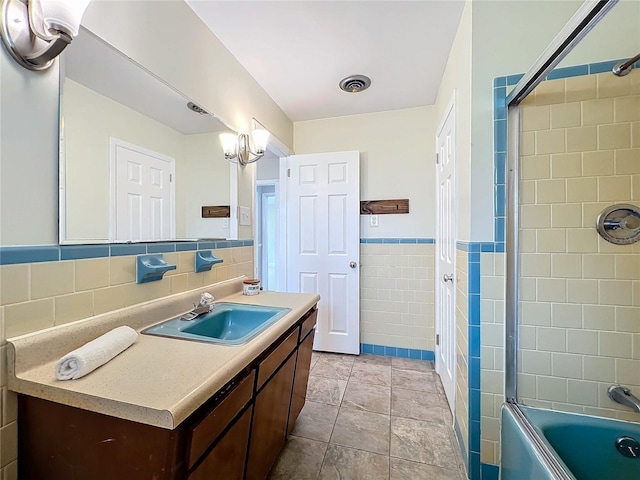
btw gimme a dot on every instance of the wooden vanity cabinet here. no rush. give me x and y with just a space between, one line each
237 434
301 379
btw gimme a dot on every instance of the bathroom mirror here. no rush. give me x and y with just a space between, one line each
136 163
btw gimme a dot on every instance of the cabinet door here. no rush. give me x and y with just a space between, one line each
301 380
226 460
211 426
270 422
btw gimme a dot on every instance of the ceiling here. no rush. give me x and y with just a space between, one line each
298 51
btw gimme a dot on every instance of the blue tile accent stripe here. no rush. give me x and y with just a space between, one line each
399 240
54 253
44 253
74 252
412 353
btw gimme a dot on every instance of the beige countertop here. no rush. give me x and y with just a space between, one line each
157 381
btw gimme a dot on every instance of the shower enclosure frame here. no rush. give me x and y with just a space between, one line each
583 21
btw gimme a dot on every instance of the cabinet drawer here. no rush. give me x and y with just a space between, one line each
203 434
309 324
275 358
226 460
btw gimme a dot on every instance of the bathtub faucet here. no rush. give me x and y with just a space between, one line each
623 396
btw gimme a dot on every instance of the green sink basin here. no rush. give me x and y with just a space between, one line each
228 323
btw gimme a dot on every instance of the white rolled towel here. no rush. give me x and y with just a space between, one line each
95 353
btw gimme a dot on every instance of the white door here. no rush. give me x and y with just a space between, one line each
323 243
143 205
266 228
445 255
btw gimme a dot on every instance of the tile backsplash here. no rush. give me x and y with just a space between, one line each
35 296
397 295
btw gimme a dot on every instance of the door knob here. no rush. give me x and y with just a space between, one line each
447 278
353 264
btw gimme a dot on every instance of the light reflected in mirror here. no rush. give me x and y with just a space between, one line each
136 164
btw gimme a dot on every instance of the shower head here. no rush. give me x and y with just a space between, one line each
623 68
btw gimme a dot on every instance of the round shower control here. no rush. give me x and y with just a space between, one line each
619 224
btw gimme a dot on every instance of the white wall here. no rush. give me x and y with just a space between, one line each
28 154
90 120
507 38
457 78
397 160
204 180
268 168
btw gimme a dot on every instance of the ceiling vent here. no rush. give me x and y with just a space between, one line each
355 83
196 108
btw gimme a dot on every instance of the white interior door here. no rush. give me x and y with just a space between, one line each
266 230
445 255
323 243
143 204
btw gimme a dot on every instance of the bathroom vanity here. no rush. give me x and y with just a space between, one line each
236 431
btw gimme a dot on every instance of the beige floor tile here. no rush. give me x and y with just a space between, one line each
372 398
316 421
405 470
412 380
415 365
419 405
364 430
423 442
300 459
326 390
333 366
373 373
341 463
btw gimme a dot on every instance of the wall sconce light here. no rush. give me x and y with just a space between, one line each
238 146
34 32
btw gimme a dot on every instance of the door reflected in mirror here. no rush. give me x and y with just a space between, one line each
138 160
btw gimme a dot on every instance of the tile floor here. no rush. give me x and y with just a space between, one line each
372 418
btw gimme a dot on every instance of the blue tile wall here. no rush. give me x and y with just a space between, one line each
386 351
54 253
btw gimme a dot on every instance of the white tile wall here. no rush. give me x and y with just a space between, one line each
492 288
397 295
580 295
462 347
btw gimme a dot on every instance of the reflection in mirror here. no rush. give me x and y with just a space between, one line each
136 163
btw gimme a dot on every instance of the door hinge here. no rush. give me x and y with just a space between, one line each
437 158
437 339
170 177
288 172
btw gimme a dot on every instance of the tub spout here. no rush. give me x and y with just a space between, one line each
623 396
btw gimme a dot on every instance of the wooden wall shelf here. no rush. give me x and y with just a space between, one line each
216 211
384 207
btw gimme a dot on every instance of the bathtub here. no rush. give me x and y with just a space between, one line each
542 444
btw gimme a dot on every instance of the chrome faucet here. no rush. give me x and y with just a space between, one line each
623 396
205 306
